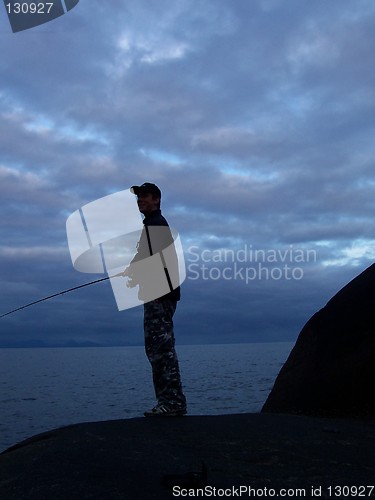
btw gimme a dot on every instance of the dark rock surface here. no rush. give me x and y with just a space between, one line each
128 459
331 369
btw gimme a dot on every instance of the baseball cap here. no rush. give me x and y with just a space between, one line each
146 187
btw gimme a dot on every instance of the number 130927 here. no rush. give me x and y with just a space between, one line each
29 8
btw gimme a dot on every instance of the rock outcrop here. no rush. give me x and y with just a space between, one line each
144 458
331 369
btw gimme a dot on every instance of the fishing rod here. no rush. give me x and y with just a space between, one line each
59 293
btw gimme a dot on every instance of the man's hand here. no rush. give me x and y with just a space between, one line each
125 273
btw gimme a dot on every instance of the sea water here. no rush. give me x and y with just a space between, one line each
42 389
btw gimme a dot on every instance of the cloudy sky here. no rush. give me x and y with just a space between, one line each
255 118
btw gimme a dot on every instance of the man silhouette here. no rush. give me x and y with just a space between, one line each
158 312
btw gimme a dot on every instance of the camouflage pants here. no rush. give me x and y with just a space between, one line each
160 350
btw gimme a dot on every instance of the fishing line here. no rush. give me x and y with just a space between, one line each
57 294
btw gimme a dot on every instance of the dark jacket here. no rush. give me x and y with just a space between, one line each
153 241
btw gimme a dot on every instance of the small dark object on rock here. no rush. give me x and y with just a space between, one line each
189 480
331 430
